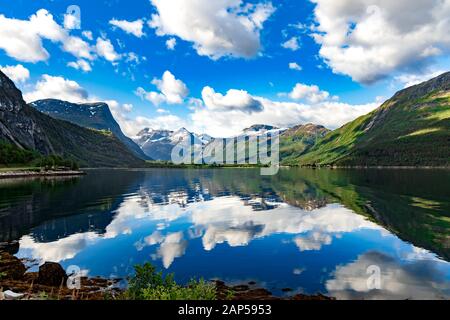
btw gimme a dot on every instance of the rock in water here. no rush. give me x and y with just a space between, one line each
52 274
11 267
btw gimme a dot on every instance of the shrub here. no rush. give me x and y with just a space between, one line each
148 284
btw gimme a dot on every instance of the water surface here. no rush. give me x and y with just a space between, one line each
309 230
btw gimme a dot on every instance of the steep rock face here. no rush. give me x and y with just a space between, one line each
30 129
17 122
89 115
410 129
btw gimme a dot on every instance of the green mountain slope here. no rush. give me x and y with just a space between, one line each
410 129
28 129
96 116
298 140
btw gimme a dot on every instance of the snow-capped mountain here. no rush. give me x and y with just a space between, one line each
158 144
261 129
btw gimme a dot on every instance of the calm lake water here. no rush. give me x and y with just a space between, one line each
309 230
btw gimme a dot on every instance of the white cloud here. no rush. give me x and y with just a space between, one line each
216 28
171 43
128 107
57 88
173 246
17 74
23 39
239 100
292 44
295 66
131 27
78 47
420 279
163 122
371 39
227 220
409 80
88 35
172 90
219 121
80 65
311 93
313 242
106 50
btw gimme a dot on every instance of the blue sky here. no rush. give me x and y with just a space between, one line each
283 61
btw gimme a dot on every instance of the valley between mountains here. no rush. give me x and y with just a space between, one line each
410 129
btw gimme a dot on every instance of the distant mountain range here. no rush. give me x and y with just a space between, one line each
158 144
89 115
24 127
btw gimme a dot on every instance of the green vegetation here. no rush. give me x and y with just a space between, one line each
411 129
298 141
148 284
13 156
88 147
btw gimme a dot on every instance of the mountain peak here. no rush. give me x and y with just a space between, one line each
260 127
439 83
94 115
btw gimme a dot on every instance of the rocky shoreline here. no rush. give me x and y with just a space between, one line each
37 174
50 284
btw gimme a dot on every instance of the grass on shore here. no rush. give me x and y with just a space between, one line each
148 284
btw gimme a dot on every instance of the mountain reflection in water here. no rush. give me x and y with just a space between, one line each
309 230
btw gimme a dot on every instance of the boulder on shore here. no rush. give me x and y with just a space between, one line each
11 267
52 274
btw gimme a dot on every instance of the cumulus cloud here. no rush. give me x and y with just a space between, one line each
313 242
106 50
227 220
419 279
131 27
409 80
18 73
295 66
23 39
78 47
239 100
216 28
80 65
370 39
57 88
311 93
58 251
292 44
220 118
171 90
